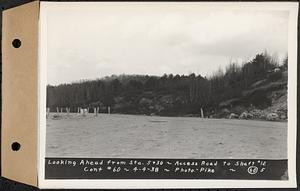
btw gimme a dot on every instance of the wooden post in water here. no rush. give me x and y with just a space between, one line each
98 110
95 111
61 110
57 110
202 115
108 110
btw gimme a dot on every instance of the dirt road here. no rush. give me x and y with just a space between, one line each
133 136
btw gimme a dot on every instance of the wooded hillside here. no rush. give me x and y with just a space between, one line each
238 88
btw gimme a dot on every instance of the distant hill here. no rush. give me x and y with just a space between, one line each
257 90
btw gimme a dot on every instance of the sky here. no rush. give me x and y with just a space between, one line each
92 42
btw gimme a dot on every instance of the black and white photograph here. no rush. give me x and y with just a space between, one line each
186 82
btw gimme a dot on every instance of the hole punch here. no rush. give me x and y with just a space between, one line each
15 146
16 43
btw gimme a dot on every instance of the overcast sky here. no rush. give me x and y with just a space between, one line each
90 43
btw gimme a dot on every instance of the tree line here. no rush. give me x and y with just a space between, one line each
193 91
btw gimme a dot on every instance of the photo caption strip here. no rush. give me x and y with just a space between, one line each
110 168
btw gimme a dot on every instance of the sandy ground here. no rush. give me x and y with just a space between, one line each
134 136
